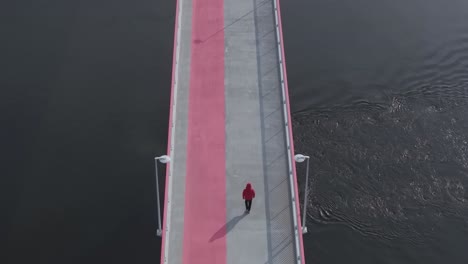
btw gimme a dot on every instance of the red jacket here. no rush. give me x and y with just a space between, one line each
248 193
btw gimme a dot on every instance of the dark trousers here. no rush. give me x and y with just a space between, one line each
248 204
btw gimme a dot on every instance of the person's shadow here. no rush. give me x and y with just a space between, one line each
227 227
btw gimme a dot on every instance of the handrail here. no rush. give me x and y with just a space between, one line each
289 140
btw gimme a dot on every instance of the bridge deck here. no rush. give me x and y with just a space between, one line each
229 127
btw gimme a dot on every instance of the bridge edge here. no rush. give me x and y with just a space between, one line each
288 119
175 54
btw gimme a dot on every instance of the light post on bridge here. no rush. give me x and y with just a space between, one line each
301 158
163 159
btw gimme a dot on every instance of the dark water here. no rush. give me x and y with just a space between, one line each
379 91
84 108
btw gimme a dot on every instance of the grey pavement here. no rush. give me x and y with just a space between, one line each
175 236
256 148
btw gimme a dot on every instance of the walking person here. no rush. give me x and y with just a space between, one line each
248 194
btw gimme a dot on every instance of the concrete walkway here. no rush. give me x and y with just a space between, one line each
229 127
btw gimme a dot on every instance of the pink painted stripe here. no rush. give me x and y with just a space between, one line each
169 135
205 191
291 138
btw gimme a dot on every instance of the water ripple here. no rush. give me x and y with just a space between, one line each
382 169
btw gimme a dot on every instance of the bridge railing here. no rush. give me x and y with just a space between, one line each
300 259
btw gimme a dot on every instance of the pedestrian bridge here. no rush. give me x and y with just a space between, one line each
229 125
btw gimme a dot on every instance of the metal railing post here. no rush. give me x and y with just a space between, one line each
159 231
162 159
306 198
302 158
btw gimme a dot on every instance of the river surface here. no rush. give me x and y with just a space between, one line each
379 91
380 95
